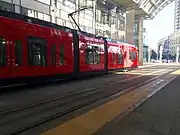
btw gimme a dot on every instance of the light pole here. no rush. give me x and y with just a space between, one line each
177 54
149 54
168 46
160 58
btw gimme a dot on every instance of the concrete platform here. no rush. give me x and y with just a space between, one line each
105 119
159 115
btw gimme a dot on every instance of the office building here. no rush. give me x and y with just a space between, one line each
102 17
177 16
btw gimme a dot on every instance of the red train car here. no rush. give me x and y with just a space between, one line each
32 49
115 55
130 56
91 53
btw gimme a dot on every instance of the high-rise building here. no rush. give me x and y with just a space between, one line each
177 16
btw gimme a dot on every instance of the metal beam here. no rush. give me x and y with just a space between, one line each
152 2
150 7
160 7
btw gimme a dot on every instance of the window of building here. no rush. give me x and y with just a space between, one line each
40 16
92 55
83 2
2 52
136 28
35 14
18 52
37 51
98 16
17 9
121 25
68 5
47 18
28 12
59 4
72 1
62 58
64 15
89 2
113 20
6 6
54 3
45 1
59 21
104 18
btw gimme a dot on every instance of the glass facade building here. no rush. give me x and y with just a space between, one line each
103 17
169 44
175 42
177 16
110 20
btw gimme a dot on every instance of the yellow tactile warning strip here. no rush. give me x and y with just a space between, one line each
177 72
91 121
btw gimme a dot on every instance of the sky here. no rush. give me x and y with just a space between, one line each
162 25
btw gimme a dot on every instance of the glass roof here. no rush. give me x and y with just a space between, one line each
150 7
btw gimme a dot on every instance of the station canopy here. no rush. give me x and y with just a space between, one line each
146 8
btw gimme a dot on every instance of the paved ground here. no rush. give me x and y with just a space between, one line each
143 121
160 115
155 117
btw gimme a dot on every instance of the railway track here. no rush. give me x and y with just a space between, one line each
4 88
18 86
75 88
69 95
14 121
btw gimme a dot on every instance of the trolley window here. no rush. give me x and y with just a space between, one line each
3 57
135 55
132 55
120 57
88 55
92 55
37 51
18 52
113 58
96 51
53 54
62 60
